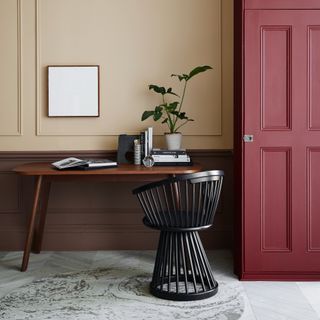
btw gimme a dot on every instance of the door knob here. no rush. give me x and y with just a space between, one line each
248 138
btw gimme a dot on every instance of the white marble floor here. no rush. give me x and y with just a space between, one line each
263 300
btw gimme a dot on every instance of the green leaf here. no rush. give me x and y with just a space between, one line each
180 77
182 115
146 115
176 113
169 91
161 90
172 106
157 89
194 72
198 70
158 108
157 113
157 116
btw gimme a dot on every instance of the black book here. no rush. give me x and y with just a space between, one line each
142 139
84 167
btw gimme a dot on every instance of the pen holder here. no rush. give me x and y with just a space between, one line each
137 152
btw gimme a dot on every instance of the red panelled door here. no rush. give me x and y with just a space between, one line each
282 163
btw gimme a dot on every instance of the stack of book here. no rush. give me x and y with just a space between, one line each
164 157
146 141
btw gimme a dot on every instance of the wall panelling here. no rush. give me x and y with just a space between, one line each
97 216
10 66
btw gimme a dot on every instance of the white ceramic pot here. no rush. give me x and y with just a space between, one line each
173 140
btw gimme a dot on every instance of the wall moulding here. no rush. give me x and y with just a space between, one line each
92 127
13 193
18 122
100 212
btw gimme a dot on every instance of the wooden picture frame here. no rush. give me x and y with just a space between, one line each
73 90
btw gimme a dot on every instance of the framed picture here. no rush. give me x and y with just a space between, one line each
73 91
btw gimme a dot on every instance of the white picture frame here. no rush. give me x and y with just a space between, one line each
73 91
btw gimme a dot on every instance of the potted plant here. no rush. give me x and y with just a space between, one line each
170 113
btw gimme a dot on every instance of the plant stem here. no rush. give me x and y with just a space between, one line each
171 124
182 124
171 127
182 98
166 122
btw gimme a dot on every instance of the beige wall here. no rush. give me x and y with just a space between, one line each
135 42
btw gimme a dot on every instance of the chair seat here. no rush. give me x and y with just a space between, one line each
176 228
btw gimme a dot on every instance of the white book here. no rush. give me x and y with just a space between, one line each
72 162
96 163
146 144
170 159
68 163
150 139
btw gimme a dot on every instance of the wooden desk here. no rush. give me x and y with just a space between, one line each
45 174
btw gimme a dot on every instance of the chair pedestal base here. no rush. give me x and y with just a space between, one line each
182 271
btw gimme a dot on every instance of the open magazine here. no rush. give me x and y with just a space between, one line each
83 164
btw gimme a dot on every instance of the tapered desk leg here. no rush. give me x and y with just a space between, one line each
32 218
38 236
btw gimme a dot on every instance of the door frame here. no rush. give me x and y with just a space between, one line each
239 66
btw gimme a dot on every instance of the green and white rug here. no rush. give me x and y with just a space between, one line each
112 293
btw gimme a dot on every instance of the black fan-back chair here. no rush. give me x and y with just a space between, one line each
180 207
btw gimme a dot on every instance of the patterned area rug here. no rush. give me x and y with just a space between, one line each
113 294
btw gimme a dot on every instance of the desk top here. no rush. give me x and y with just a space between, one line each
45 169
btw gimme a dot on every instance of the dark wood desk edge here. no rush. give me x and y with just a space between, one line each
27 170
42 188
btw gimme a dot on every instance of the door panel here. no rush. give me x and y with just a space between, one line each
282 4
275 197
275 77
314 77
282 164
313 208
